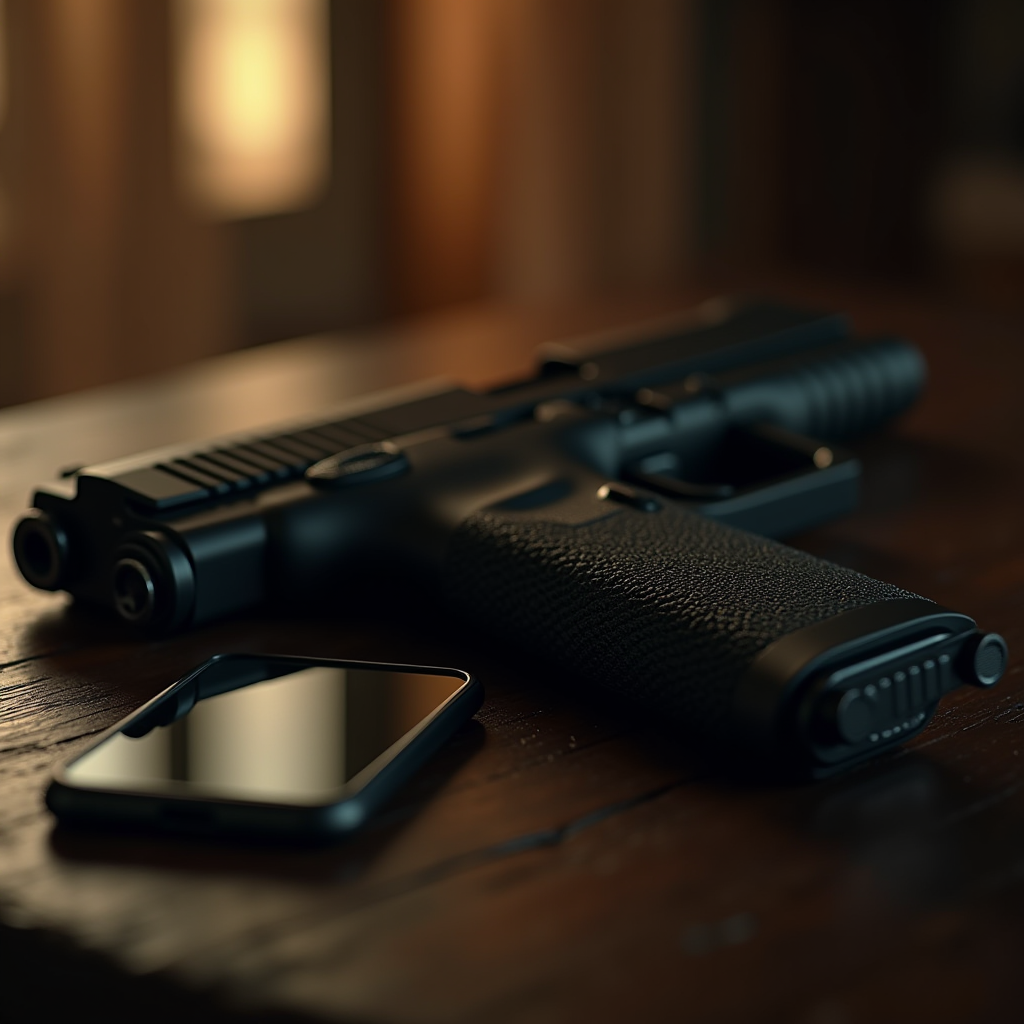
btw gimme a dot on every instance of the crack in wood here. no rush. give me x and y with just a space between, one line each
506 848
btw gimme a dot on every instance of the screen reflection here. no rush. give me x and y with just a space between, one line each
298 738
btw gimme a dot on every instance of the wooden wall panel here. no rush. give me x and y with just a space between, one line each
117 279
542 147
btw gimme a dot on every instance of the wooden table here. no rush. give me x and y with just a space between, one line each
552 864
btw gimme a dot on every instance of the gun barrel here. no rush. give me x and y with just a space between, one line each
200 512
840 393
834 395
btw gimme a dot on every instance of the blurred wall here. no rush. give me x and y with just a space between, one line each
111 265
103 275
517 151
542 148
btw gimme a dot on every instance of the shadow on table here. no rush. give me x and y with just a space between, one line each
925 834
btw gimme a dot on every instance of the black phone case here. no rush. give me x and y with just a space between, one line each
77 805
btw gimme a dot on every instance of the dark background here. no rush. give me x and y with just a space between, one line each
509 152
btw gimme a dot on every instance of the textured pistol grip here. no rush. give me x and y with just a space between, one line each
667 609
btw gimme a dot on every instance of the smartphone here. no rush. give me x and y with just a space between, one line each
284 747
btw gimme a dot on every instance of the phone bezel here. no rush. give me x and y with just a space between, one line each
361 796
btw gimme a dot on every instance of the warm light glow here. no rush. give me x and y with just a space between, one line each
823 457
280 736
253 103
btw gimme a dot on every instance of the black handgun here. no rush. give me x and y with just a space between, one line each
610 516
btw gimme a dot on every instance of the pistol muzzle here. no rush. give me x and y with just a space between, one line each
42 551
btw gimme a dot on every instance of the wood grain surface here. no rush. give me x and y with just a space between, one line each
556 862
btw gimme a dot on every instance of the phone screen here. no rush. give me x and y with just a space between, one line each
299 738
